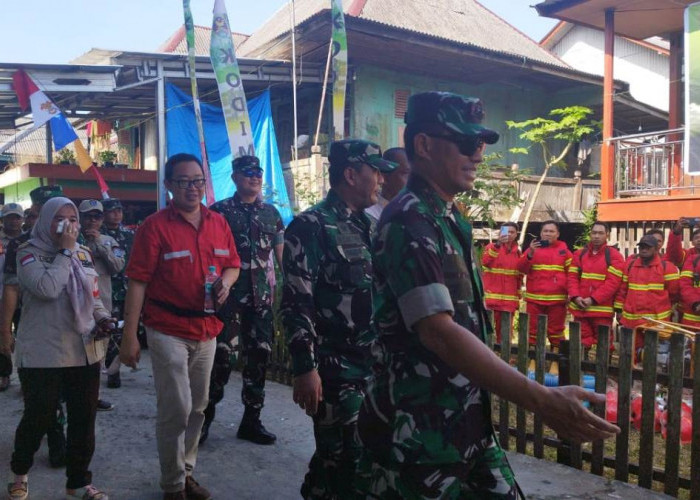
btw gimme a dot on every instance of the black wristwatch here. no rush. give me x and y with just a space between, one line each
66 252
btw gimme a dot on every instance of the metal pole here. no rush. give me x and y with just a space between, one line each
323 91
160 124
294 83
49 145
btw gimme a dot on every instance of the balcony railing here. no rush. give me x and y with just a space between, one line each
651 164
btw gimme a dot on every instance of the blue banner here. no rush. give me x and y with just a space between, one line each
182 137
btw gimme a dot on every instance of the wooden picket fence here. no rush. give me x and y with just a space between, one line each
571 369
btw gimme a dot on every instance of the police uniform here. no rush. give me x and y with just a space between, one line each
326 309
257 228
425 427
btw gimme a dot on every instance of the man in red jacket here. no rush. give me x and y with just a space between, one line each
649 288
502 280
690 283
545 266
674 249
594 278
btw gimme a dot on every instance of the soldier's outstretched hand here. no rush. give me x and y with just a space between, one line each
308 392
563 411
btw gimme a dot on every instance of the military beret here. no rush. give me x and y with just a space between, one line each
461 115
246 161
349 151
111 204
42 194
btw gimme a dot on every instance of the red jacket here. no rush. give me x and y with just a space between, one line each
647 291
592 276
675 252
546 274
690 289
502 280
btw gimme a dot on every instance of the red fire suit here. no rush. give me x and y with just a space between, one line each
502 280
545 291
597 275
690 290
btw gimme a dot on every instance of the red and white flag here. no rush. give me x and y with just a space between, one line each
43 108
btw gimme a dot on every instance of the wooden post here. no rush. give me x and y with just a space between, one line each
520 420
607 166
623 405
673 406
601 381
563 451
540 350
646 437
675 105
504 405
575 379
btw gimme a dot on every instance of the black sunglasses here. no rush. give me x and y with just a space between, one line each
467 144
252 172
185 183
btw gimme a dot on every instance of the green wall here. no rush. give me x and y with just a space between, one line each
19 192
372 115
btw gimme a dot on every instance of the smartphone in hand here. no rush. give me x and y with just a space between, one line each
544 243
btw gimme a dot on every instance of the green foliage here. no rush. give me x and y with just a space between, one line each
65 156
308 189
589 217
489 193
107 156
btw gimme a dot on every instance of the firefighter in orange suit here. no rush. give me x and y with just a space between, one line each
545 266
690 283
502 280
595 276
650 287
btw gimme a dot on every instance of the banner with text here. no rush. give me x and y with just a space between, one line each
228 78
340 68
692 89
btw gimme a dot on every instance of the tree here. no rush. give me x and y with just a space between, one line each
570 124
490 193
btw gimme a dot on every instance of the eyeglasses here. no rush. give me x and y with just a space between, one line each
252 172
467 144
186 183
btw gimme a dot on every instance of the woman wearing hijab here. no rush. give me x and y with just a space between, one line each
59 346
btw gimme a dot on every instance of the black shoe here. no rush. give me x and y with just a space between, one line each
103 405
114 381
205 433
255 432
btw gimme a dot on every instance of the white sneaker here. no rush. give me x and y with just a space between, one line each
88 492
17 490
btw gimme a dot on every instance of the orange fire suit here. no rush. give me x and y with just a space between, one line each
690 290
502 280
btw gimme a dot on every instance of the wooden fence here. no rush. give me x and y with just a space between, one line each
598 458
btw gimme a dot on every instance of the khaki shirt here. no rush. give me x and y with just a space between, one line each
109 260
46 336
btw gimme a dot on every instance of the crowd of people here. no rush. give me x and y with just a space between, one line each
383 308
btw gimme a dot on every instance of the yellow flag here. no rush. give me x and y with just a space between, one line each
84 160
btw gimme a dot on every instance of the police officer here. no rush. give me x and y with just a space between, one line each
425 422
326 309
113 227
258 231
12 217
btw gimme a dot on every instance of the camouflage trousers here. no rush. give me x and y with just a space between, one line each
115 340
333 466
486 476
250 333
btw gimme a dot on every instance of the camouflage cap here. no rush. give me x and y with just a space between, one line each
90 206
246 161
12 209
461 115
42 194
111 204
350 151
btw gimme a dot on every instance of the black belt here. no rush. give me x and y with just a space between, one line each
177 311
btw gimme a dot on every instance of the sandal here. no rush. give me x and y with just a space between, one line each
17 490
88 492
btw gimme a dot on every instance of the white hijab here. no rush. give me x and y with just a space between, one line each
80 286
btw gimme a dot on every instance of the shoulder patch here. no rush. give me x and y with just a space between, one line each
84 258
23 245
27 259
118 252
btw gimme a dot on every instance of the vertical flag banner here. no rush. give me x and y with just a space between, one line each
191 59
692 89
62 132
228 78
340 68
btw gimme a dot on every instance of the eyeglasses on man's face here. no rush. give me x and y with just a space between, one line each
466 144
252 172
187 183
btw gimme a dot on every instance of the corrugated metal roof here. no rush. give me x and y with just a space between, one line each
461 21
32 148
177 43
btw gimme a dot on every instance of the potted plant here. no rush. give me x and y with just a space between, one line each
107 158
65 157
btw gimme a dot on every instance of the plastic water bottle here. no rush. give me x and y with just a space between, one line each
209 281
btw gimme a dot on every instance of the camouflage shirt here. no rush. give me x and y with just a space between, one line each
418 410
326 302
125 239
257 228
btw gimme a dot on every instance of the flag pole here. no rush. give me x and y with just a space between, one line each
323 91
191 57
294 83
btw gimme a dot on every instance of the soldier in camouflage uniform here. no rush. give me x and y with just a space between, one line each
112 226
326 309
425 422
248 322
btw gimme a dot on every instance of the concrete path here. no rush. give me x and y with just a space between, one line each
126 464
